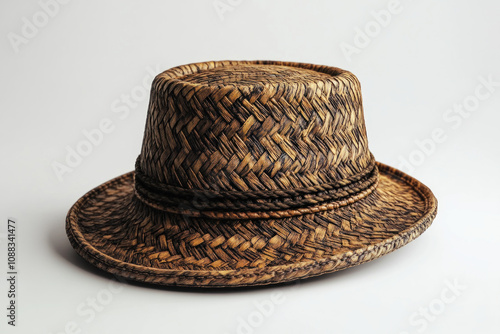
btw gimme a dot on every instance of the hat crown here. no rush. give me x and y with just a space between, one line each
253 125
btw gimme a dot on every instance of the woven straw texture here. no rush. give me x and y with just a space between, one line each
250 173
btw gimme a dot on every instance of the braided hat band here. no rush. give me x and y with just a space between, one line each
254 204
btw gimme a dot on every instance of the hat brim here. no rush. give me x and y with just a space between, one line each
110 228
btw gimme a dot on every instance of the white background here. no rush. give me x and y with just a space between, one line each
426 58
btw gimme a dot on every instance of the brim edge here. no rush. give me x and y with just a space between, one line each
254 276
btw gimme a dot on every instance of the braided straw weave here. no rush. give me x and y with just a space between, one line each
250 173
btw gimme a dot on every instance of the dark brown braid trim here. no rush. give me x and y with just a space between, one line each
278 203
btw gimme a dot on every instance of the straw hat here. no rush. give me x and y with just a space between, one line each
250 173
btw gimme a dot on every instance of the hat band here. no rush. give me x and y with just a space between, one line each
261 204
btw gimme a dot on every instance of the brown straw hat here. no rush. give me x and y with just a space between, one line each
250 173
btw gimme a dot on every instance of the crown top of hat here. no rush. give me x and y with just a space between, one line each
254 75
254 125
